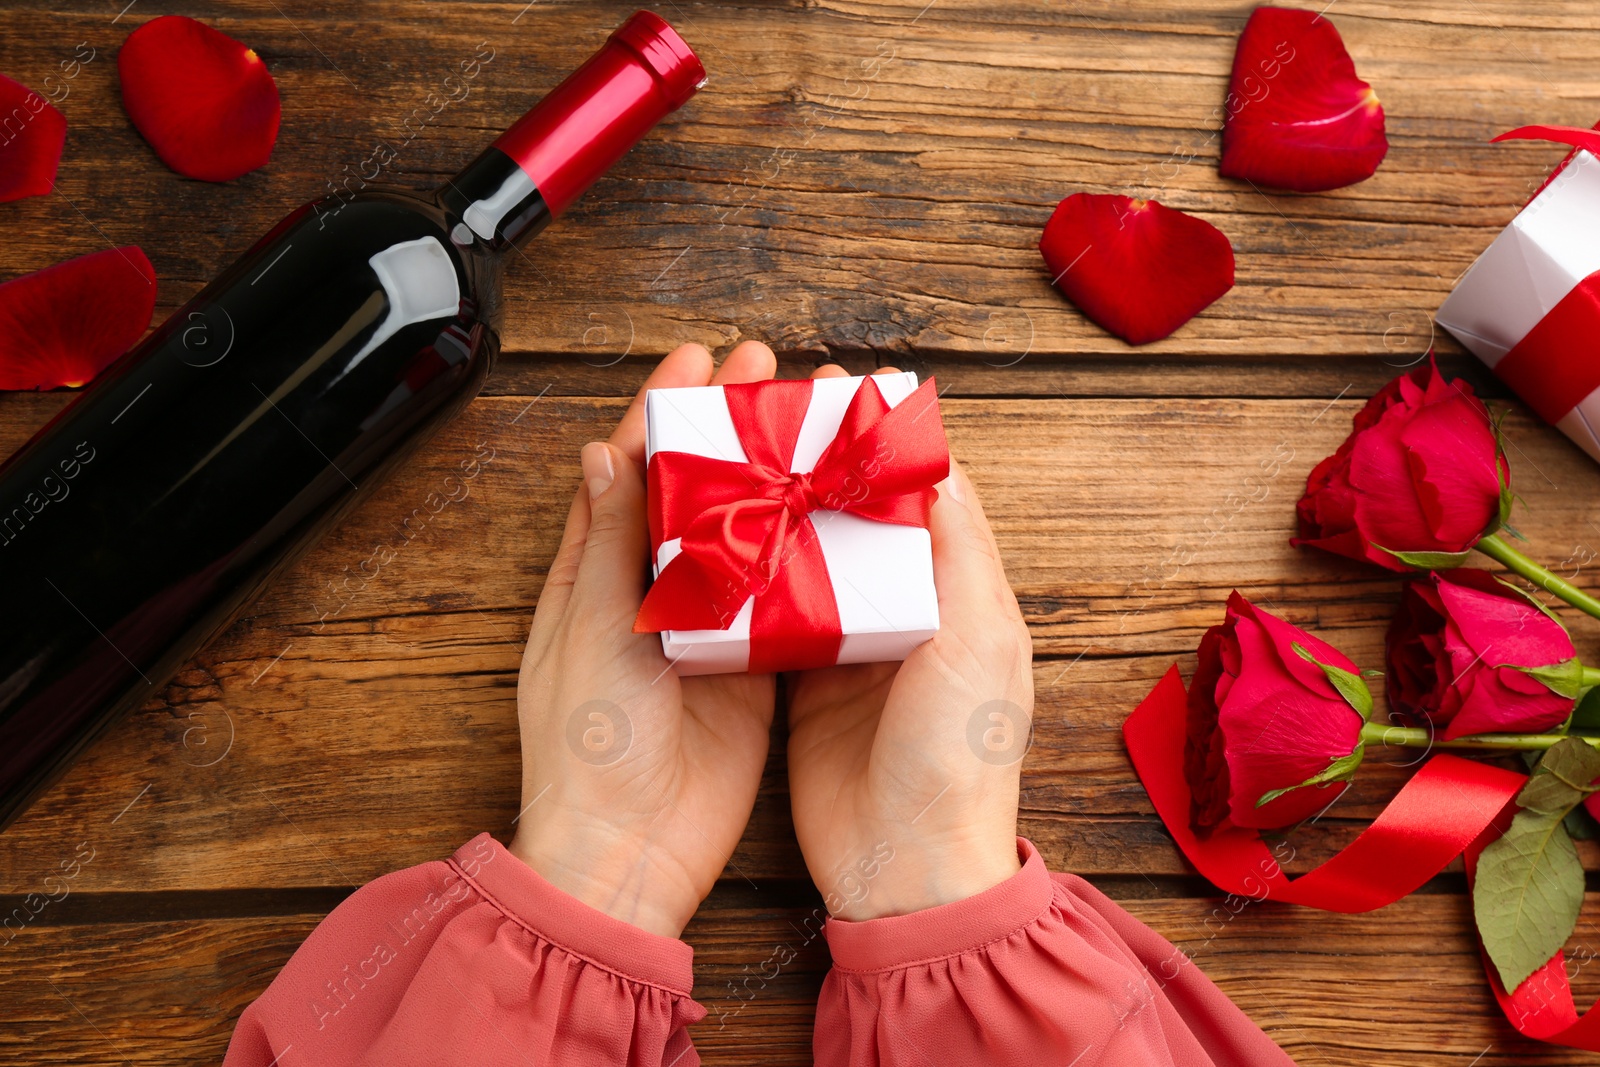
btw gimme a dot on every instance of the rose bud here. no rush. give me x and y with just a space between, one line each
1474 655
1420 480
1274 724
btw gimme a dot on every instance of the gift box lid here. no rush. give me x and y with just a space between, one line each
695 418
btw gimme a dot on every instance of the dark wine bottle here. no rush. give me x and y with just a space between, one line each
143 519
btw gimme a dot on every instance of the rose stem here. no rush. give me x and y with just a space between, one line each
1416 737
1498 550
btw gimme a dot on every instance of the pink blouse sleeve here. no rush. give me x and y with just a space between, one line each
1040 969
468 961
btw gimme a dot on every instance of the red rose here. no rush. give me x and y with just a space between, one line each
1274 715
1472 654
1422 471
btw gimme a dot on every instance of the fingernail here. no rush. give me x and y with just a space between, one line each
597 469
952 486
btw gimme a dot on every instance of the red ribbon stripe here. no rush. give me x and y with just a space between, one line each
1554 369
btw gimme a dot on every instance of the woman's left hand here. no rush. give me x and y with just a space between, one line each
636 785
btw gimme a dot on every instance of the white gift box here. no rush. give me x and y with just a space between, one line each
882 573
1546 251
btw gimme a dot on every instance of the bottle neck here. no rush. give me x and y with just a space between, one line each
544 162
496 201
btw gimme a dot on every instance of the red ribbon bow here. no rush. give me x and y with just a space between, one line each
746 528
1553 368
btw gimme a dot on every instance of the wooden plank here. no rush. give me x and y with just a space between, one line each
336 733
1000 374
857 176
1398 988
1008 372
863 180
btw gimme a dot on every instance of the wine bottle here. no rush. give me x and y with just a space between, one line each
143 519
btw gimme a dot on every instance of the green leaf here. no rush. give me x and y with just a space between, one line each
1428 561
1527 893
1529 884
1587 715
1340 770
1562 679
1348 683
1548 794
1575 763
1581 825
1560 780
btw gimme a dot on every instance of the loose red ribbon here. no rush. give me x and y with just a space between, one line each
1450 806
1553 368
1439 812
746 530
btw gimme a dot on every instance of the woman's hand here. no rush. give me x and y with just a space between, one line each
635 785
903 778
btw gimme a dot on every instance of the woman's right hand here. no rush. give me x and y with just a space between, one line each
904 777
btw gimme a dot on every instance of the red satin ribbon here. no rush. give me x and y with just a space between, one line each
1439 812
745 527
1553 368
1450 806
1575 136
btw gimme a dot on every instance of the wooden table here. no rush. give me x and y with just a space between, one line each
864 181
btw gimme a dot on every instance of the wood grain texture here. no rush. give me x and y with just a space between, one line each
857 176
302 745
1400 988
864 181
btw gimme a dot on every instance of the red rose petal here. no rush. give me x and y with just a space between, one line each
1138 269
1298 117
1204 766
205 102
31 137
64 324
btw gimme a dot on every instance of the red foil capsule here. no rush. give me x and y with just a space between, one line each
644 71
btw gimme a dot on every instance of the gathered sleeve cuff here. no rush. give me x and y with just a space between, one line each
471 960
1041 968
